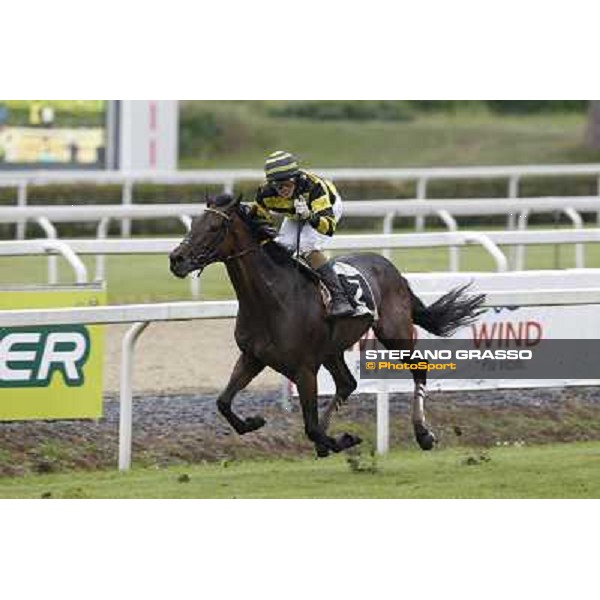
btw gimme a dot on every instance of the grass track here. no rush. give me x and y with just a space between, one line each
552 471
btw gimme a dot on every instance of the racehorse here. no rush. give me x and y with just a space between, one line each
281 322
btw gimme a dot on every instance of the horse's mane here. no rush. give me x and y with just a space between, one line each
261 231
265 234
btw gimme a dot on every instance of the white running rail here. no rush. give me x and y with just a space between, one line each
445 210
490 240
228 178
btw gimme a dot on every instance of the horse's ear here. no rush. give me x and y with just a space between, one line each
239 198
207 199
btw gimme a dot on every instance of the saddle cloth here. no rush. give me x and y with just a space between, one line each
357 288
355 285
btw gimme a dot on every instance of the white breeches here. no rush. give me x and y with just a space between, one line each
310 238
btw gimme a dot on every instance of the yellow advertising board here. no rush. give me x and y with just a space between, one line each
54 371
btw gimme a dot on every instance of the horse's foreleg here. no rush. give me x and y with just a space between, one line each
246 369
306 381
424 436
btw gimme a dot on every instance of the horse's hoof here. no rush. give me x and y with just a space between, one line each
425 438
322 451
253 423
347 440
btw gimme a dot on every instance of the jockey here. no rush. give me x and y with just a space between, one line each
313 206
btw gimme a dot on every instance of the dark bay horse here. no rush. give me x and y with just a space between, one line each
282 322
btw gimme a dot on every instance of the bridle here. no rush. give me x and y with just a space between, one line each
213 255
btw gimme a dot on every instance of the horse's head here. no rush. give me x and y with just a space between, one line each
209 238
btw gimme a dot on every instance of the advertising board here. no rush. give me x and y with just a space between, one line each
51 372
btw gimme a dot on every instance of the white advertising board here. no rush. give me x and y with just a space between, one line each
527 323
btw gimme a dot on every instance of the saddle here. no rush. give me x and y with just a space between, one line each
355 285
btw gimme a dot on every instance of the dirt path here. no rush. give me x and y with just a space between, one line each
180 356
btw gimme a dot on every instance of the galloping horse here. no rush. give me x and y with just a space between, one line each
282 321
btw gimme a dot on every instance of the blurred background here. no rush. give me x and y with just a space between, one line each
417 133
327 133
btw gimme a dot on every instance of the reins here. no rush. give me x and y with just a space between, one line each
218 212
240 254
228 220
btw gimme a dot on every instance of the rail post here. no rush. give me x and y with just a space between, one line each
126 403
518 252
383 419
388 227
101 234
286 393
453 251
51 234
126 200
474 237
421 195
598 191
21 201
577 224
513 192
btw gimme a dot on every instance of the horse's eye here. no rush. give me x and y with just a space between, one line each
214 228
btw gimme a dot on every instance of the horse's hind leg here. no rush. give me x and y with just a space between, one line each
246 369
424 436
399 337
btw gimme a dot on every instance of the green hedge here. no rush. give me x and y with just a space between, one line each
516 107
351 110
531 107
403 110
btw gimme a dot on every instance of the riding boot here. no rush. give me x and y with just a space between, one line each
339 307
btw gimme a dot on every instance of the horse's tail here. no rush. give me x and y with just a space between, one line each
453 310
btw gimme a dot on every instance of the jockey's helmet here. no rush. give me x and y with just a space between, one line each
280 166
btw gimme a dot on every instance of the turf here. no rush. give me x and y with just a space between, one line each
553 471
465 138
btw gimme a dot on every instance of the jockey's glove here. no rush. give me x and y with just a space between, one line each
302 209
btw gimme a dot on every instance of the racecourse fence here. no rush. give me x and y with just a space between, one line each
489 240
554 288
23 181
446 210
